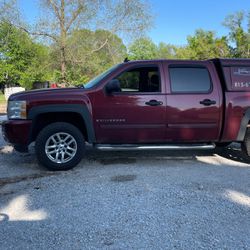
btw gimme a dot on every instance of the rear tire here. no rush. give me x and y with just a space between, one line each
245 145
222 144
60 146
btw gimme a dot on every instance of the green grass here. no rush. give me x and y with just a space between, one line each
2 99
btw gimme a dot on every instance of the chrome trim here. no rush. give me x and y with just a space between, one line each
110 147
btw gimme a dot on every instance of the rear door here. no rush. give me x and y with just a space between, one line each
194 102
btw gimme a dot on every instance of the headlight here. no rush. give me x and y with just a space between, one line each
17 110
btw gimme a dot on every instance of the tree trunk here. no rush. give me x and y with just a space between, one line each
63 64
63 41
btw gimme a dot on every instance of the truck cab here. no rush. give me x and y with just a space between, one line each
160 102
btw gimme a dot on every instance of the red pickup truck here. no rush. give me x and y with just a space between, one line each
156 104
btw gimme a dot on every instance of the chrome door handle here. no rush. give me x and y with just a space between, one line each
154 103
207 102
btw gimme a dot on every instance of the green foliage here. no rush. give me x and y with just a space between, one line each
167 51
142 48
82 61
204 45
59 19
2 98
21 60
238 36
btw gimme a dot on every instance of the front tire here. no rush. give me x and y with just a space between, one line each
60 146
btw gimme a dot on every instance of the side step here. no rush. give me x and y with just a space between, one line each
121 147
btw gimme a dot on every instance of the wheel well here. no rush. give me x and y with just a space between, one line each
45 119
243 125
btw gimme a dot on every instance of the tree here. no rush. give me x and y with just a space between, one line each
21 60
204 45
61 17
184 52
9 11
142 48
167 51
237 34
83 63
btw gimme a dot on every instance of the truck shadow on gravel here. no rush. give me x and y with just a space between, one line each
232 152
29 162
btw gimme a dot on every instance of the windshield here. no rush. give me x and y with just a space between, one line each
97 79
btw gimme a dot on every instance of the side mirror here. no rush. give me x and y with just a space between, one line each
113 86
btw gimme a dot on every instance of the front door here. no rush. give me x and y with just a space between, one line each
137 112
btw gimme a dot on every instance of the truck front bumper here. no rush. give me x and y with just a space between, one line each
17 132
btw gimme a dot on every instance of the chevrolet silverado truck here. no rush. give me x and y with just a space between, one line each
154 104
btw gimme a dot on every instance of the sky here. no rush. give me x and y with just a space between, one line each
176 19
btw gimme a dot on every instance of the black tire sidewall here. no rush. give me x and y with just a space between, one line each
48 131
245 146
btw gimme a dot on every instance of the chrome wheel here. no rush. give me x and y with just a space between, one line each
61 147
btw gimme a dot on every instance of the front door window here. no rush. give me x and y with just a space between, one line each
144 79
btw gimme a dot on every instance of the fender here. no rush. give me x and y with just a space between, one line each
74 108
243 125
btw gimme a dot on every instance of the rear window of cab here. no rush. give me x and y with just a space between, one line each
237 78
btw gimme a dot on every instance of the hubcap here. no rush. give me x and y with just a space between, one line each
61 147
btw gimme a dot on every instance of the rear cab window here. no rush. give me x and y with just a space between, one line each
237 78
234 74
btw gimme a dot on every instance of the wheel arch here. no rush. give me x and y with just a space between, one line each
78 115
244 125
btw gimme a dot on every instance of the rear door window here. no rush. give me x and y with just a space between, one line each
190 80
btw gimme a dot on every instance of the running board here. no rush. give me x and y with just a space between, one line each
110 147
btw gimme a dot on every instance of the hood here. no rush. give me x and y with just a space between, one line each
40 93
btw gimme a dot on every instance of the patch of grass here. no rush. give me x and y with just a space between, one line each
2 99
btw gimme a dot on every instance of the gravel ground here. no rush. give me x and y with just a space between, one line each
127 200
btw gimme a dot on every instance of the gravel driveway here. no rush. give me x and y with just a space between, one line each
127 200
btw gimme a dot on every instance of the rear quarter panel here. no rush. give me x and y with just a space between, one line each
236 105
236 74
